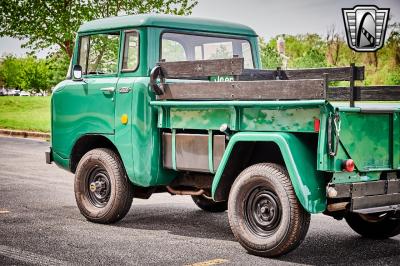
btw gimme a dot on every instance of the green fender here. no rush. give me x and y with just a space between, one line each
300 162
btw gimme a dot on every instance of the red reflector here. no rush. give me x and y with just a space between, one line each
317 124
348 165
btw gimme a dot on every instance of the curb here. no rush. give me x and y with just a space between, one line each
24 134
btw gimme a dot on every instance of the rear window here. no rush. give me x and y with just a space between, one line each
187 47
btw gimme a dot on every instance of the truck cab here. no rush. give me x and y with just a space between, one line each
157 103
116 56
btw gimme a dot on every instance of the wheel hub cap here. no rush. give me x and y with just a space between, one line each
99 186
263 213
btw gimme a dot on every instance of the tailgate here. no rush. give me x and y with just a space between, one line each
370 135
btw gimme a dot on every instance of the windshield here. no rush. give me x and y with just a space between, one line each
187 47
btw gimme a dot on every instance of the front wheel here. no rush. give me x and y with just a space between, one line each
102 190
264 213
375 226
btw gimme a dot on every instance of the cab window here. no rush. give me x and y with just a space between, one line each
173 51
130 59
98 54
188 47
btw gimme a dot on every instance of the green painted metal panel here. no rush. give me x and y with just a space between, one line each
210 152
323 162
123 133
367 139
166 21
346 177
60 161
146 139
173 150
396 141
291 119
238 118
300 161
209 104
80 108
199 118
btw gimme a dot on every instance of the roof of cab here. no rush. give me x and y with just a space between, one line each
167 21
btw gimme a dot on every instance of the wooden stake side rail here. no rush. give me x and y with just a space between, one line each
255 84
246 90
235 67
334 74
365 93
202 68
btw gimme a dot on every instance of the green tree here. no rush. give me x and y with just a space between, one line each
54 23
36 75
30 74
270 58
312 58
10 72
58 66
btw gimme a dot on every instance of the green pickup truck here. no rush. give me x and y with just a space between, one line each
158 103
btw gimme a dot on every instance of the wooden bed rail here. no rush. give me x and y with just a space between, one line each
255 84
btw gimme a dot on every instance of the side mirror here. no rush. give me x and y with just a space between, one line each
77 73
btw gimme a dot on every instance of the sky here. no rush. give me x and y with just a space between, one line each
268 18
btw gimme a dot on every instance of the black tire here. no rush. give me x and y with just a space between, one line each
264 213
103 192
209 205
375 226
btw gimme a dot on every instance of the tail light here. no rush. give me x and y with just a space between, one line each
348 165
317 124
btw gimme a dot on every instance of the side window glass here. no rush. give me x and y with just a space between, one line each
98 54
131 51
103 54
83 53
248 58
172 51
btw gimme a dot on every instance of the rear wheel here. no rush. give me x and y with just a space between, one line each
103 192
375 226
264 213
207 204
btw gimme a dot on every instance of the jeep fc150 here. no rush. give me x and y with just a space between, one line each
144 111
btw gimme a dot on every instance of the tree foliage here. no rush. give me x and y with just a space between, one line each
312 50
32 74
269 55
45 24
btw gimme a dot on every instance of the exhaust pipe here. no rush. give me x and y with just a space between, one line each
185 192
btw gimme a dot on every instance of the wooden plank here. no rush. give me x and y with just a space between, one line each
257 74
338 93
365 93
246 90
334 73
235 67
379 93
202 68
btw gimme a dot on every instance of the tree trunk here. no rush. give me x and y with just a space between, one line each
68 48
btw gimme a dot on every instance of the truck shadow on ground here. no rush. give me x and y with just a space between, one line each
321 246
179 221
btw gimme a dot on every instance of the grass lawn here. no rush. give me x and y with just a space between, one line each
25 113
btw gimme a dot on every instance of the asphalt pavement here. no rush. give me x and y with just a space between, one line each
40 224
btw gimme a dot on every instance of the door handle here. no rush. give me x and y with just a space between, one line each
108 89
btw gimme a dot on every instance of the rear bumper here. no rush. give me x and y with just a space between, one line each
49 156
368 197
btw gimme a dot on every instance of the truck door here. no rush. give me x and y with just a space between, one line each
99 61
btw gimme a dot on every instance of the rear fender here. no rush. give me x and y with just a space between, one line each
300 161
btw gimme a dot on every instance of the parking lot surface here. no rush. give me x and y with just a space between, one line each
40 224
